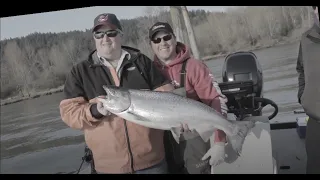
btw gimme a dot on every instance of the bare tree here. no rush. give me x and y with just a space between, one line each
60 62
69 49
32 63
14 57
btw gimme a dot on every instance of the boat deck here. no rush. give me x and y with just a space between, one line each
289 150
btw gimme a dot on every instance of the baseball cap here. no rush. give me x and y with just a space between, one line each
160 26
107 19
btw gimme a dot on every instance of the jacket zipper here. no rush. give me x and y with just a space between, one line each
129 147
125 124
120 75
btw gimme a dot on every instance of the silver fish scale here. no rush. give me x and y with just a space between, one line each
170 109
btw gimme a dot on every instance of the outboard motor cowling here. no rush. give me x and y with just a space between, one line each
242 84
243 66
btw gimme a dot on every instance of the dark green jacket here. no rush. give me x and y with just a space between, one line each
308 68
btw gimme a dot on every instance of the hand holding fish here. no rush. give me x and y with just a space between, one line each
184 128
182 132
101 109
216 154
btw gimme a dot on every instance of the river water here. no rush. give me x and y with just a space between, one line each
35 140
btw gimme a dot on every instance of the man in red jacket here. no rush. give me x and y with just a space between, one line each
172 58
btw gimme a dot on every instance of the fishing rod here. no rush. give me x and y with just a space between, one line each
84 158
89 159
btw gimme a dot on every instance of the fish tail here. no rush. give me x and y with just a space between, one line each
241 130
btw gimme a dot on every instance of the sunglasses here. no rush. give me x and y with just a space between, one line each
100 34
165 38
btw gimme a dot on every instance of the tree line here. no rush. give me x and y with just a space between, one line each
40 61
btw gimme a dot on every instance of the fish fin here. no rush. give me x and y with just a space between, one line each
242 129
107 90
205 135
104 87
176 131
179 92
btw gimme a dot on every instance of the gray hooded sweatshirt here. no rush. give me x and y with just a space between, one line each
308 68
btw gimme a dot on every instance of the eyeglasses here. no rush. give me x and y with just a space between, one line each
165 38
100 34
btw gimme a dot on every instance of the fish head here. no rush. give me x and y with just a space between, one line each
117 99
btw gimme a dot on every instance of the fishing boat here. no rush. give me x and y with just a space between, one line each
270 148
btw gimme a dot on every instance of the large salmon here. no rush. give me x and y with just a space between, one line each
167 111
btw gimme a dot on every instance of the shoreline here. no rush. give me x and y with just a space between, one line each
254 48
16 99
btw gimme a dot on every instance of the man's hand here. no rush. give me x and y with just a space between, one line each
97 109
101 109
216 154
184 128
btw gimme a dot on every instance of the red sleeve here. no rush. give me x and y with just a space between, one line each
208 91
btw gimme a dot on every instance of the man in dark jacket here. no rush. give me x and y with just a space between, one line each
117 146
309 90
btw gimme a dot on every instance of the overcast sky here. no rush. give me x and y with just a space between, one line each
75 19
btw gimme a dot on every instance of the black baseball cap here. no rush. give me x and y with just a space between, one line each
160 26
106 19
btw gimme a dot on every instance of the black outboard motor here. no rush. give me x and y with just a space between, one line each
243 85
